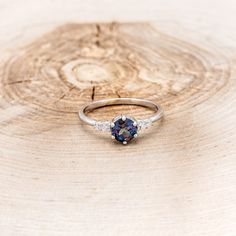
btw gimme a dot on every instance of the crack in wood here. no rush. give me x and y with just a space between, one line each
65 94
19 82
93 93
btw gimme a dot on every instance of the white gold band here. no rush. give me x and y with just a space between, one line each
105 125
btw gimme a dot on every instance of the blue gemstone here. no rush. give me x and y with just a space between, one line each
124 131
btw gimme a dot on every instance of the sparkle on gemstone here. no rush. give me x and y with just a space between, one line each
124 130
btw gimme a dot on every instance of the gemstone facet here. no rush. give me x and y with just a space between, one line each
124 129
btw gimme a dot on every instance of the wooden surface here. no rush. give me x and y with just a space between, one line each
59 177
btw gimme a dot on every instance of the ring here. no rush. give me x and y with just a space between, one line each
123 128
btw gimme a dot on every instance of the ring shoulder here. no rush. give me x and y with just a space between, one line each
144 124
104 126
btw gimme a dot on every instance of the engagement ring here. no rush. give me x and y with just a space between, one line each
123 128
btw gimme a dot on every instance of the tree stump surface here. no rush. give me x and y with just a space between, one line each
60 177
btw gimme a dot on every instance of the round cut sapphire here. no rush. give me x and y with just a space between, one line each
124 130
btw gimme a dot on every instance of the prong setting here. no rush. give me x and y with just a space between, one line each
113 137
124 128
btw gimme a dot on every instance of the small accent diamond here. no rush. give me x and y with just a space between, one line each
102 125
144 124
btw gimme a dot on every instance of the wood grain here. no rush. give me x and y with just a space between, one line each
59 177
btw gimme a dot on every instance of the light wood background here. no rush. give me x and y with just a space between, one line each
58 177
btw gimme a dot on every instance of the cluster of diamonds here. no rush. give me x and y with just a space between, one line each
103 126
144 124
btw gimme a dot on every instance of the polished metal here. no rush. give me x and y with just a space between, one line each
106 125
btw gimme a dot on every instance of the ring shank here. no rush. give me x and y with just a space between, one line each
120 101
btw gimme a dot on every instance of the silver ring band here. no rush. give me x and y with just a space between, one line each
122 127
